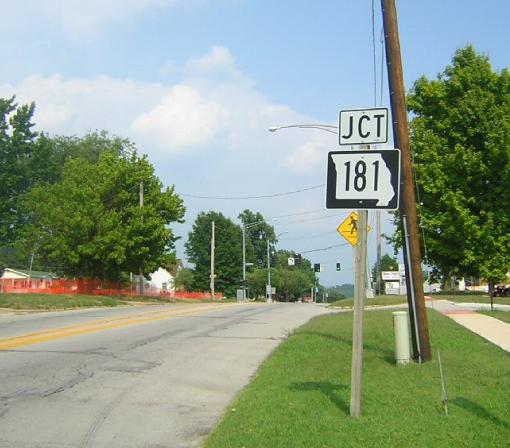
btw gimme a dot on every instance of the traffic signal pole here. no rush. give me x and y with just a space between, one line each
412 257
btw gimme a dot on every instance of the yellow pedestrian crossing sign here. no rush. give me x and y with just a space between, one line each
349 228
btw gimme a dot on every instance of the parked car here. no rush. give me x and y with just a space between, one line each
501 291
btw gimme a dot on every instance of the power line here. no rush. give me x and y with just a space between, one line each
297 214
373 53
307 220
324 248
381 40
331 232
230 198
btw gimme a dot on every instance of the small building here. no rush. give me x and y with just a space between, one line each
18 280
163 280
25 274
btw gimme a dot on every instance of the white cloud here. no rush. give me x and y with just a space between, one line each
219 59
183 118
306 157
76 18
210 111
77 105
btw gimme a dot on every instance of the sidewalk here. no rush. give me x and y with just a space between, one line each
487 327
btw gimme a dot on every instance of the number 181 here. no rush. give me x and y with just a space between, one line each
360 175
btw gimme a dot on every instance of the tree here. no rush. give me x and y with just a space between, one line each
388 263
90 223
292 282
258 232
335 293
257 281
28 159
184 280
49 154
460 137
228 255
16 144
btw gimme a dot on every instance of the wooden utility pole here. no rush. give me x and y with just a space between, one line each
213 247
360 258
140 274
412 257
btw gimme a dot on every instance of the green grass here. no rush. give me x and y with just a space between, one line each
471 298
300 396
382 300
498 314
54 301
457 297
51 302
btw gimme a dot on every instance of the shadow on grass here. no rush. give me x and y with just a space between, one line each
479 411
330 390
383 352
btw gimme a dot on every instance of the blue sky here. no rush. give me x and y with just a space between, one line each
196 83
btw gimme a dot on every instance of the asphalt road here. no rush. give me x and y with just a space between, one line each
150 376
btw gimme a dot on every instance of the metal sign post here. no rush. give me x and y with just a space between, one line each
363 179
357 327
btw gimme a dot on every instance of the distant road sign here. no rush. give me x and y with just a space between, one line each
390 276
363 126
367 179
348 228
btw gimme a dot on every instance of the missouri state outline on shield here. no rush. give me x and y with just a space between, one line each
367 177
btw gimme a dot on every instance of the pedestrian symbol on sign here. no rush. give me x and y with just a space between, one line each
349 228
353 223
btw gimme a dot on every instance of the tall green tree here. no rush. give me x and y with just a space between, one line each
184 280
291 282
16 145
258 232
460 137
50 153
228 254
90 223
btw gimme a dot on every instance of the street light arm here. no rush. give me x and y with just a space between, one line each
322 127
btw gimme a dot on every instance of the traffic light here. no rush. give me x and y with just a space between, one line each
317 267
297 259
338 267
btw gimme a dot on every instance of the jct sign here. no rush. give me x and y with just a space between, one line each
363 126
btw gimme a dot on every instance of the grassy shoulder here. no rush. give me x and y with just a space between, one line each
300 396
385 300
501 315
382 300
49 302
471 298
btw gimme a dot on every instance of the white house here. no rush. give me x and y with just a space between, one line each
26 274
163 280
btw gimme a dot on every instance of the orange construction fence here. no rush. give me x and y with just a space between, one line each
91 287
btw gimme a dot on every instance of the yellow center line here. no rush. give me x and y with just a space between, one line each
100 325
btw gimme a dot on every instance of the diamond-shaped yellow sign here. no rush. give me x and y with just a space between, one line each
349 228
